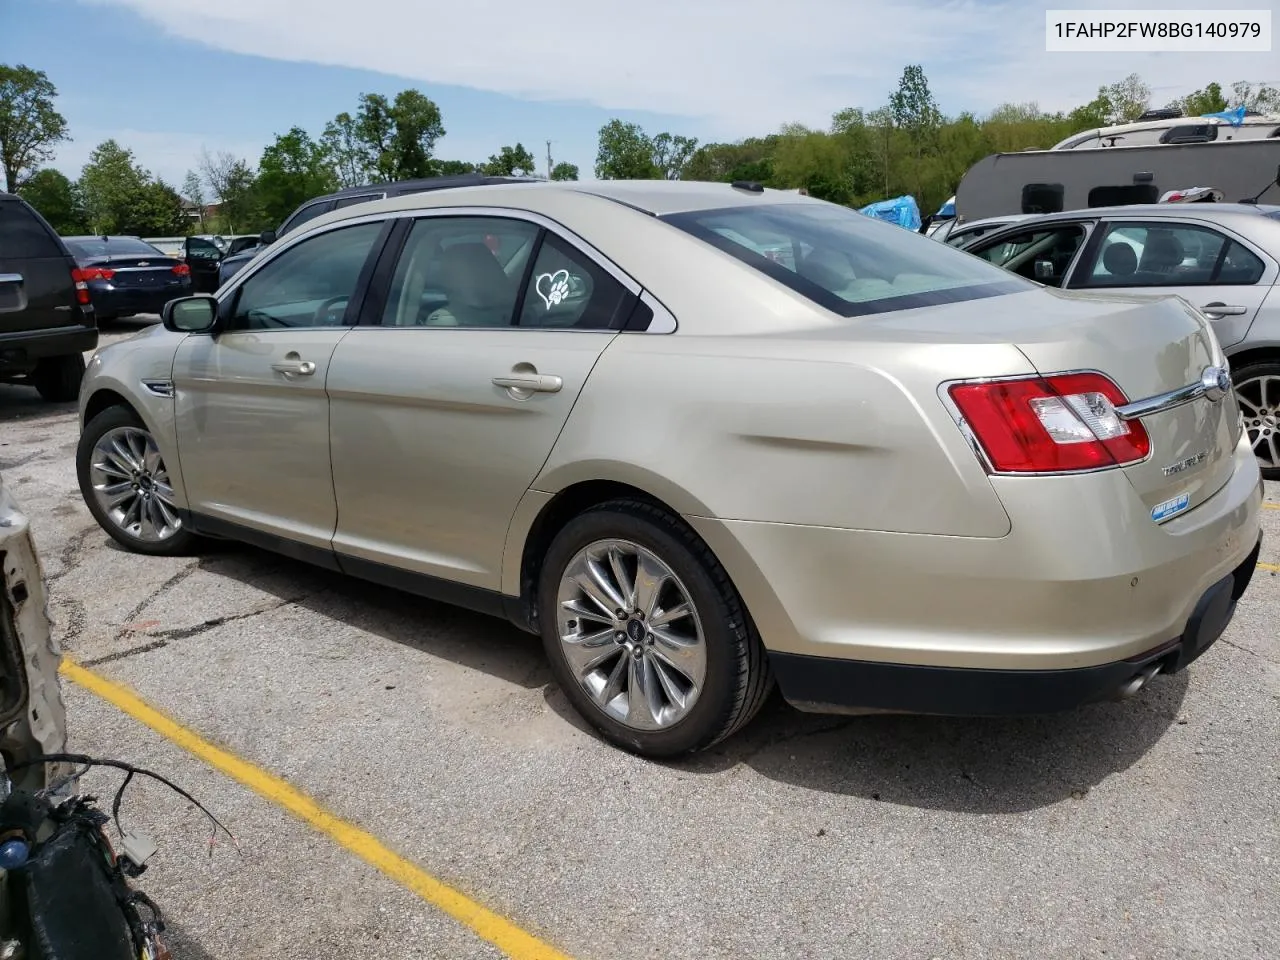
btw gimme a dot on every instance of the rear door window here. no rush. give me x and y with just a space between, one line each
1168 255
309 212
844 260
22 235
362 198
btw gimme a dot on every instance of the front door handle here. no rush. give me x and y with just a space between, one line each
530 383
294 367
1224 310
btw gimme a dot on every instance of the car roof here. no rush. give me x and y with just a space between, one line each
397 187
1195 211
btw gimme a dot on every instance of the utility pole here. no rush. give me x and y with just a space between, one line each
548 159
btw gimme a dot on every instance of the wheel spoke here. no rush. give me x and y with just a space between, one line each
688 656
111 466
588 651
642 706
114 494
675 696
649 580
595 584
1271 444
677 612
590 611
613 686
1253 408
127 464
124 455
626 589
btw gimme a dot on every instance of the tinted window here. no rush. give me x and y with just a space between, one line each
568 289
22 235
1191 133
306 213
202 249
844 260
1040 255
1042 197
1124 195
111 247
362 198
308 285
1168 255
460 272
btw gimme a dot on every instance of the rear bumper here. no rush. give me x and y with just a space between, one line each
19 351
828 685
111 301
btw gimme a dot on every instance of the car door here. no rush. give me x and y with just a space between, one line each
1213 269
446 403
203 257
252 415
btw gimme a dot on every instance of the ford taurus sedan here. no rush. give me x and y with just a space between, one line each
705 439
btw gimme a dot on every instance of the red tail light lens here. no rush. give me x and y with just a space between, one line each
82 288
1051 424
182 270
96 273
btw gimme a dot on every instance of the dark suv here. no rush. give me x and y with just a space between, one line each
345 198
46 318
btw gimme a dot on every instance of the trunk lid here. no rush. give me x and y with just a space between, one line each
148 273
1148 346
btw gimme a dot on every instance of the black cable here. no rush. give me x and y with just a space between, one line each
130 770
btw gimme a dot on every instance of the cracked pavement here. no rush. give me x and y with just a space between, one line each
1142 829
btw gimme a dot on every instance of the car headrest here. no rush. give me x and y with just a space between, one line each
472 276
1120 260
1163 251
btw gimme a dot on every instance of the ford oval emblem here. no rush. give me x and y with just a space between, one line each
1216 381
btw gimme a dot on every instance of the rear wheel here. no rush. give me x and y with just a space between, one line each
1258 391
125 484
58 378
646 634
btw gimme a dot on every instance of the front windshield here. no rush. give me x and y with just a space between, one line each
111 247
845 261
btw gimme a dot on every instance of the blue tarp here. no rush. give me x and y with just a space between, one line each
1234 117
947 210
900 210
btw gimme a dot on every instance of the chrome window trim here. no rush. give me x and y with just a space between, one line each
663 322
1270 266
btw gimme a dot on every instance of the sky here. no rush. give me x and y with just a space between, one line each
168 78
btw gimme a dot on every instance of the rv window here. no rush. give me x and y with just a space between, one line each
1167 255
1191 133
1124 195
1042 198
1039 255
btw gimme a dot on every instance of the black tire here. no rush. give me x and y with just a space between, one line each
58 378
738 678
181 543
1269 464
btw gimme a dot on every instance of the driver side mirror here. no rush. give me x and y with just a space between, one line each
197 314
268 237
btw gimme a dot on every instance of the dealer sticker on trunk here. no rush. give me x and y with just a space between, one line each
1163 511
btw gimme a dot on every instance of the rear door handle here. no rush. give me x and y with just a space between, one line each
530 383
294 368
1224 310
13 293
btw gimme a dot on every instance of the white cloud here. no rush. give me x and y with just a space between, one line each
737 66
166 155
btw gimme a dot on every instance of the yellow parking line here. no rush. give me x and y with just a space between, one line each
1271 506
1273 567
486 924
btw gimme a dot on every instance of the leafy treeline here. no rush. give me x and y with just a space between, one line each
906 145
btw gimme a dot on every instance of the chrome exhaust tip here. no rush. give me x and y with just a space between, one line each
1135 683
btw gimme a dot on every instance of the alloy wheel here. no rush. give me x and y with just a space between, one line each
631 635
1259 399
131 485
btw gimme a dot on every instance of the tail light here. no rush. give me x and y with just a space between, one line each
182 270
96 273
82 287
1051 424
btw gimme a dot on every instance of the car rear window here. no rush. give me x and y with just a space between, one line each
22 235
111 247
845 261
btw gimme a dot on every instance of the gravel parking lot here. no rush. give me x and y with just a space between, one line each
1149 828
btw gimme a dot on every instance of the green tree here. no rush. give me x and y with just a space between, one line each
112 185
564 171
234 186
1208 100
1130 98
57 199
156 210
293 169
346 150
510 162
193 191
398 137
30 127
625 152
454 168
671 154
915 111
1259 97
815 161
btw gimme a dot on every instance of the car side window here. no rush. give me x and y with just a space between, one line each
1040 255
568 289
201 249
309 212
22 235
308 285
460 272
1168 255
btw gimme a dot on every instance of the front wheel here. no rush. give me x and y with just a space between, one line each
58 378
1258 393
125 484
645 632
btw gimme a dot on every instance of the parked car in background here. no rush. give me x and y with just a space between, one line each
969 494
1223 258
958 232
169 246
46 315
126 275
234 262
